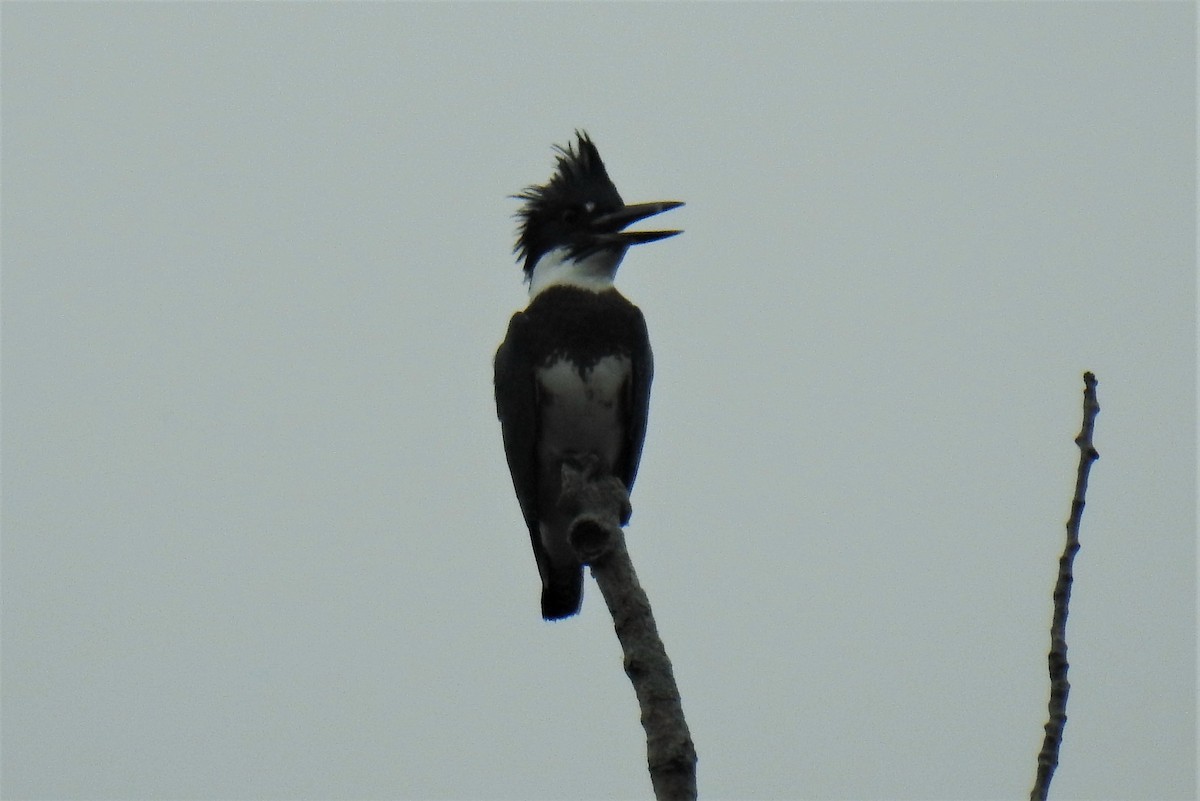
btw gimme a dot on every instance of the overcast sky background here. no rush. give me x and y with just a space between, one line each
259 538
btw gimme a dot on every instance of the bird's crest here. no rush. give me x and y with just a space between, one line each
579 179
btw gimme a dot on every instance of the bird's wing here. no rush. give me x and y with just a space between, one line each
637 407
517 408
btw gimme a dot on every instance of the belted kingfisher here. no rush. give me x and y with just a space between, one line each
573 373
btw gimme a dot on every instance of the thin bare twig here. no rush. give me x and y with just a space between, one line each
1047 759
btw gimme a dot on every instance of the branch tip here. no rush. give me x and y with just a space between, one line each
1047 759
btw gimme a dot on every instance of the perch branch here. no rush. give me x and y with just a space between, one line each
1047 759
601 505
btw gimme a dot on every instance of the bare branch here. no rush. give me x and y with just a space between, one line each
1047 759
600 506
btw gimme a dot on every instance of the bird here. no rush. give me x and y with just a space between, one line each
572 376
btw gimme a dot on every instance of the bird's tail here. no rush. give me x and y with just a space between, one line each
562 592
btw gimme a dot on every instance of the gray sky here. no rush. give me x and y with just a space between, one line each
259 539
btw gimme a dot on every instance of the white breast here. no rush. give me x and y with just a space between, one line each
583 413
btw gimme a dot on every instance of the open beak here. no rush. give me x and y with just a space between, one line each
609 228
